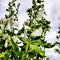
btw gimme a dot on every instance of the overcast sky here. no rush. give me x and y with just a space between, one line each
52 8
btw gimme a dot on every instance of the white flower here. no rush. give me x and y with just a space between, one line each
15 38
40 14
6 43
37 32
27 27
15 31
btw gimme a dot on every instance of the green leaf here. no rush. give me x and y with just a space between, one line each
14 45
37 49
25 40
38 42
3 54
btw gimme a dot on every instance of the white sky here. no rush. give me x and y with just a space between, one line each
52 8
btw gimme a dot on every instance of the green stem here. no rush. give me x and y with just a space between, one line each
27 50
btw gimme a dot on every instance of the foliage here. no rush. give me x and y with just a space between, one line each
58 37
8 47
32 38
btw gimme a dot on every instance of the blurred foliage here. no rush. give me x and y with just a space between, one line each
29 42
58 37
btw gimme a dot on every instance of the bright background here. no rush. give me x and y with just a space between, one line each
52 8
